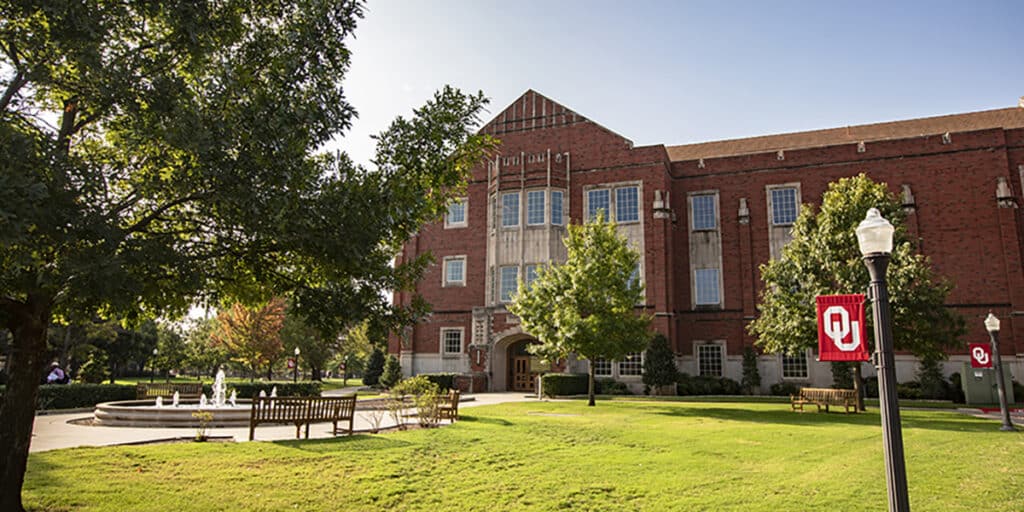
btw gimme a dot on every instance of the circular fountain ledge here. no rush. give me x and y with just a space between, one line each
144 413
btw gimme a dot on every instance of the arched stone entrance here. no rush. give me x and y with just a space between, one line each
512 367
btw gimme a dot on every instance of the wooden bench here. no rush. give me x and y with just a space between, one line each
448 406
167 390
302 410
824 397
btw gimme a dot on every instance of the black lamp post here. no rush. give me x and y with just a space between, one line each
152 366
874 235
992 326
295 377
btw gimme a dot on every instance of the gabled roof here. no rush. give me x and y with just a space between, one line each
534 111
1000 118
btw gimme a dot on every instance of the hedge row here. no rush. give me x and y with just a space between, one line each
252 389
704 385
78 396
564 384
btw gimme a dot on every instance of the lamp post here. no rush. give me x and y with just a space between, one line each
992 326
296 374
152 366
874 235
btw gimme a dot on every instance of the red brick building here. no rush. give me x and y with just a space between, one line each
703 217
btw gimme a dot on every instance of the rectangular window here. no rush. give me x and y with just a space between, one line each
535 207
706 285
709 360
633 364
784 206
509 283
703 212
530 275
598 200
556 207
794 366
627 204
456 217
455 271
510 209
634 278
451 341
602 367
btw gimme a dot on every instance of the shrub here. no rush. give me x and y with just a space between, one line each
94 371
871 387
1018 391
956 390
426 395
374 368
751 381
392 372
842 375
444 381
564 384
659 363
611 387
705 385
933 384
77 396
910 390
252 389
785 389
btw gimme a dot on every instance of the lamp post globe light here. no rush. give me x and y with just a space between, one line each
295 377
152 366
874 235
992 326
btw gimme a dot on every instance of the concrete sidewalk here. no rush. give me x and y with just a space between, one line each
55 431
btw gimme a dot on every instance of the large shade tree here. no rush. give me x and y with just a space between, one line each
824 259
587 305
157 153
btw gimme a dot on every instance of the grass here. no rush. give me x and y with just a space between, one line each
619 455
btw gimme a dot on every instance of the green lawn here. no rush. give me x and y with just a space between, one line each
561 455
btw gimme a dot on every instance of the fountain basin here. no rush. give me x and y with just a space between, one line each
144 413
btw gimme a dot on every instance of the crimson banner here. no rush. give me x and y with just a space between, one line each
981 355
842 335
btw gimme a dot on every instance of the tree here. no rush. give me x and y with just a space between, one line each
156 154
202 353
171 348
751 381
374 368
586 305
315 348
252 336
392 372
355 349
824 259
660 363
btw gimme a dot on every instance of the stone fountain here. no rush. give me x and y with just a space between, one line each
227 410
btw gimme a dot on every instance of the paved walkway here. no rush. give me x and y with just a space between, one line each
55 431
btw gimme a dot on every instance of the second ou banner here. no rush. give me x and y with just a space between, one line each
842 335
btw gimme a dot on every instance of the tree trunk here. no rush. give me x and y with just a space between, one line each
858 386
28 323
590 384
270 373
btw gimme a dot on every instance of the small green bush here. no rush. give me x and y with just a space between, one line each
564 384
910 390
842 375
94 371
444 381
611 387
785 389
252 389
956 390
871 387
705 385
392 372
374 368
751 381
659 363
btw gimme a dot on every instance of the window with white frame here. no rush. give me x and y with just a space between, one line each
556 207
794 366
633 364
627 204
456 217
702 212
784 205
509 283
455 271
535 207
451 340
598 200
529 275
510 209
602 367
706 286
634 278
709 360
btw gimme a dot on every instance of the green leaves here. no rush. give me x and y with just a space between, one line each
587 304
823 259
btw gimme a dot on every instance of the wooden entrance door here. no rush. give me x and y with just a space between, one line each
522 380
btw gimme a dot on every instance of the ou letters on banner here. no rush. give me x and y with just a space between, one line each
842 335
981 355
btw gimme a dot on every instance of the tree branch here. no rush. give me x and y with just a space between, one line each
144 222
19 81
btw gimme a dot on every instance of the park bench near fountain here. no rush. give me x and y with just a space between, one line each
302 410
188 390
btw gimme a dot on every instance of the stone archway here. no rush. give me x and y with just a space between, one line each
501 362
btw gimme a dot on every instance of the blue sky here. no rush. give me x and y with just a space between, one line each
679 72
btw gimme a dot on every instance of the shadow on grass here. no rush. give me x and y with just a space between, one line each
485 420
950 421
357 442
